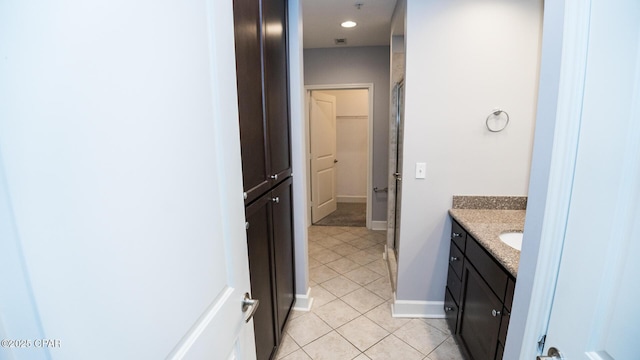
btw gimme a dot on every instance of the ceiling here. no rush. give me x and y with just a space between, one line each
322 19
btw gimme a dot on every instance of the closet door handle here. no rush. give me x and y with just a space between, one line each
247 303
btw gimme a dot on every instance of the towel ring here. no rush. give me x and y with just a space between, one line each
496 116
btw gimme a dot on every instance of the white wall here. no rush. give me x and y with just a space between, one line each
299 133
368 64
464 58
352 124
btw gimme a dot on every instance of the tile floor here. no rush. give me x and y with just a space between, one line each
351 314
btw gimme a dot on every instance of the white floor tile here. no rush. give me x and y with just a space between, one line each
331 347
381 315
321 274
340 286
362 332
349 277
320 296
362 300
343 265
336 313
448 350
363 276
306 328
425 338
287 346
392 348
297 355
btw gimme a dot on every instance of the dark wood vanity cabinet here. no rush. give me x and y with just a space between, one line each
478 297
260 29
263 93
270 244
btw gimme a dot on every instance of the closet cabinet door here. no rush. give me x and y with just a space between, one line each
258 216
253 130
276 86
283 251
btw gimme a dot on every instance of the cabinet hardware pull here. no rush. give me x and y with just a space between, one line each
448 308
455 235
454 258
274 176
246 225
276 200
245 195
495 312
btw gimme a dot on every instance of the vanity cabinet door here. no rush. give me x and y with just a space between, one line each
493 274
481 316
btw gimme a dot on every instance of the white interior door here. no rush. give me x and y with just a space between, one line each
322 119
122 212
595 314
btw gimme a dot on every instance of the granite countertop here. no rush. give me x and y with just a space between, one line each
486 224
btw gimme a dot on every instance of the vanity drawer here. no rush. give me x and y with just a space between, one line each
487 267
456 260
458 235
450 311
454 284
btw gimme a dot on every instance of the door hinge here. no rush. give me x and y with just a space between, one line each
541 342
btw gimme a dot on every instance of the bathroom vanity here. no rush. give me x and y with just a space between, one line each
481 278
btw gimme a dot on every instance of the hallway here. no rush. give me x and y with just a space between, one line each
351 314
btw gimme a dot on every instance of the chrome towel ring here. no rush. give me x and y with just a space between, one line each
497 120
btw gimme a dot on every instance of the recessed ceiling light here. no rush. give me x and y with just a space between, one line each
348 24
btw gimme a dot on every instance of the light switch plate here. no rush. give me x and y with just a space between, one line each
421 170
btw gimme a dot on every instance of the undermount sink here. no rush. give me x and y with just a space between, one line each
513 239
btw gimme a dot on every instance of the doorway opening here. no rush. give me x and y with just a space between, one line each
340 154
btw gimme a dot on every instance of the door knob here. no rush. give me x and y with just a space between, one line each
552 354
335 161
247 303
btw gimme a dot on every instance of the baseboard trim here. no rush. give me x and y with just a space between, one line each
417 309
351 199
378 225
303 301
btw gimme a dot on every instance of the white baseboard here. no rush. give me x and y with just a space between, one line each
417 309
378 225
303 301
351 199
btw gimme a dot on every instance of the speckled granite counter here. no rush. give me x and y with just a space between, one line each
486 224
